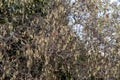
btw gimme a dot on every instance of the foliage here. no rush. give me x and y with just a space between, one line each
34 46
36 41
100 22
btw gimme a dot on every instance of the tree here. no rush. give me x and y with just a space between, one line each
37 41
36 46
100 35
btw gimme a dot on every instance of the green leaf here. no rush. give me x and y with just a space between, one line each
2 21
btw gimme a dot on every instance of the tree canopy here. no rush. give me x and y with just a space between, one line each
59 40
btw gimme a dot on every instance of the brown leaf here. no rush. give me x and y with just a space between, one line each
107 15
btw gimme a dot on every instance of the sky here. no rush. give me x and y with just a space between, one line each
111 1
115 0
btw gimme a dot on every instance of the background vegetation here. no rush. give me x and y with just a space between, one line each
37 40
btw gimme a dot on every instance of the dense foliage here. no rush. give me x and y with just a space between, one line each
38 42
